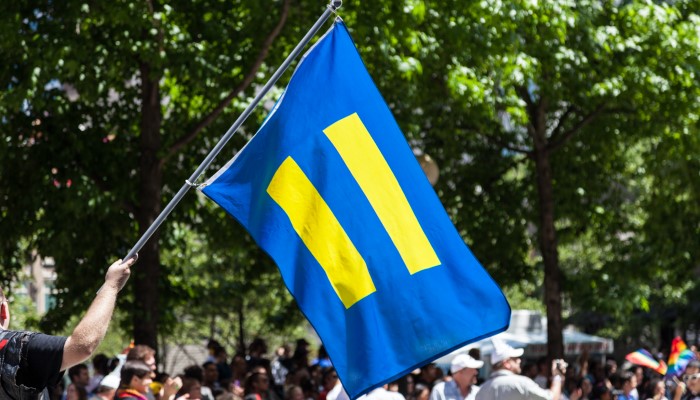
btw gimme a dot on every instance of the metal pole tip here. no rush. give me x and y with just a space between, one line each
335 4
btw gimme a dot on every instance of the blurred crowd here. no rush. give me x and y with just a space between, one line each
298 374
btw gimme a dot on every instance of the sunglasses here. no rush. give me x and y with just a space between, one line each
688 378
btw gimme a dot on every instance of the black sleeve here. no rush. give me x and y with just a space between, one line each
44 359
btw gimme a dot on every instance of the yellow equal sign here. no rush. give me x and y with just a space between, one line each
321 232
371 171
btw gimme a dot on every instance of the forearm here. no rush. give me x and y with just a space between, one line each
92 327
555 388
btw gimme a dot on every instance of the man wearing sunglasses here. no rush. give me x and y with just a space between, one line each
689 389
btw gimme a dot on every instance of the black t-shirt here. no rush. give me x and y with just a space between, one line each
44 358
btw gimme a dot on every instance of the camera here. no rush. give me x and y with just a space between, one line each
560 366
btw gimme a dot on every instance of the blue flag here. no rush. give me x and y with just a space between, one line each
330 189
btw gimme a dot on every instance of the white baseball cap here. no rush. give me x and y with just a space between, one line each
110 381
503 351
464 361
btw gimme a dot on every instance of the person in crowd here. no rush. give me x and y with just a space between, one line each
300 358
79 375
100 367
332 388
657 389
383 393
464 370
75 392
257 386
420 392
210 379
692 368
628 383
144 353
505 383
542 375
601 392
135 380
586 388
428 375
222 366
256 354
191 389
147 355
641 381
689 388
197 373
294 392
40 366
328 381
239 370
572 389
136 377
280 366
323 360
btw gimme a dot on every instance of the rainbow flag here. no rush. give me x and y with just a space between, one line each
679 358
645 359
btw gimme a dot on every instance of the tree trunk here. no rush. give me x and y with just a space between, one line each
241 328
547 236
147 271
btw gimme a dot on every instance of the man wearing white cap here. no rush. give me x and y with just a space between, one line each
464 370
505 383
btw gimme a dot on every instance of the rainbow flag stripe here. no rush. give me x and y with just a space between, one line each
645 359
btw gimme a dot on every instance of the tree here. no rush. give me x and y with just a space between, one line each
102 101
539 105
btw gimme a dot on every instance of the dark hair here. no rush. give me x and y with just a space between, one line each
598 391
251 380
194 372
626 377
101 364
75 370
133 368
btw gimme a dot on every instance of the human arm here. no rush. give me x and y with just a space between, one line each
558 373
92 328
679 390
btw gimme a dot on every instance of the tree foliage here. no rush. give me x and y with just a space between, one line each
566 134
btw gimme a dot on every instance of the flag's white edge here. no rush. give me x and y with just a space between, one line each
272 112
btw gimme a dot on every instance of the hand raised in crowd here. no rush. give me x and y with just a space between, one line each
559 367
118 273
170 388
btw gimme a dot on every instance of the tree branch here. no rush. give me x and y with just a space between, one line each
566 136
185 139
530 106
557 129
496 140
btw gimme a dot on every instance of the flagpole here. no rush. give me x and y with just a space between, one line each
332 7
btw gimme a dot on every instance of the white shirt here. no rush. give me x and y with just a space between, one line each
337 393
450 391
381 394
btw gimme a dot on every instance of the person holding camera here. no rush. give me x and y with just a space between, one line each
506 383
689 389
